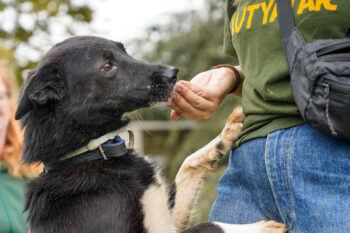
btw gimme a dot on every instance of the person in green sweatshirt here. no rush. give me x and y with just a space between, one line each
281 169
12 173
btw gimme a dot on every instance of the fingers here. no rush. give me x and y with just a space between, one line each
188 101
183 86
181 108
195 96
200 97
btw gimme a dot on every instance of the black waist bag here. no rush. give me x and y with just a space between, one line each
320 76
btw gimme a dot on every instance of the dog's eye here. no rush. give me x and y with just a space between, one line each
107 67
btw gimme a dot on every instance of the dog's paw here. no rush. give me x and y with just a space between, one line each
237 116
230 132
272 227
257 227
208 155
233 125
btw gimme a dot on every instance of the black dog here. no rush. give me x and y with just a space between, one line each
79 92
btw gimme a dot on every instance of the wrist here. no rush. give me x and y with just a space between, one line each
237 75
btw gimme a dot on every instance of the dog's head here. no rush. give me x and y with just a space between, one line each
87 83
93 71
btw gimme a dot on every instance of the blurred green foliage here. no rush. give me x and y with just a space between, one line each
8 54
193 42
16 30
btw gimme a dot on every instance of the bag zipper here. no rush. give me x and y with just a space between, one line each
335 57
329 121
332 48
335 86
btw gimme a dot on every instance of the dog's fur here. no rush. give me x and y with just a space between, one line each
79 92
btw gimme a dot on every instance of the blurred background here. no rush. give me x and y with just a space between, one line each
187 34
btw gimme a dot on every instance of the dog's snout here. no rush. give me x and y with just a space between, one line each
171 73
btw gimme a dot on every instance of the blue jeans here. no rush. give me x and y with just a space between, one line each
296 176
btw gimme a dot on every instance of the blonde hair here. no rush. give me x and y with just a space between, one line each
12 151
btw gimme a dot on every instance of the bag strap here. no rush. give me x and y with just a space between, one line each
285 16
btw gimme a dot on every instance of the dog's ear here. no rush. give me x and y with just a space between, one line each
43 86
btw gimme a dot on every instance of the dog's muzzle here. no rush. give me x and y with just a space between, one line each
171 74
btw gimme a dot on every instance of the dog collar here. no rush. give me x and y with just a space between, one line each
98 142
107 146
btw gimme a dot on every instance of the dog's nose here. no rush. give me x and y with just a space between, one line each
171 73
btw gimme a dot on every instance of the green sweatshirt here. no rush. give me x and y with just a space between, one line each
12 219
252 35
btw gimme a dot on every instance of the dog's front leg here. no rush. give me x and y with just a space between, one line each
189 178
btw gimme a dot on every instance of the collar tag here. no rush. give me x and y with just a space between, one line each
102 153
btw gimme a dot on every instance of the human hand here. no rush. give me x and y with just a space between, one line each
200 97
